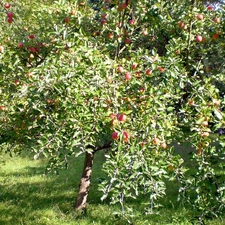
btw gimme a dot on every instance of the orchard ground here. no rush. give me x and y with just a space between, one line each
30 197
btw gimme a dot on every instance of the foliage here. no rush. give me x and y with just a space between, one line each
139 76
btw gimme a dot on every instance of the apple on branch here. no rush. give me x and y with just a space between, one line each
120 69
199 38
7 5
200 17
128 76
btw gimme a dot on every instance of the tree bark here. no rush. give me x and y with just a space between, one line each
81 202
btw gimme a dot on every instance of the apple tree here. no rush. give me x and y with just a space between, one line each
132 77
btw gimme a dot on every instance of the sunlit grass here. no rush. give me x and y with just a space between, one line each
27 196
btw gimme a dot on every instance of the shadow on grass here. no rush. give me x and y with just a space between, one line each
26 193
27 196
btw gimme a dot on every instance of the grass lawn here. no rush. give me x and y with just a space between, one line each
29 197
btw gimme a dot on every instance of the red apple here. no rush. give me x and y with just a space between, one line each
10 20
215 36
122 117
67 20
112 115
119 24
177 52
162 70
134 66
4 120
110 35
125 136
124 6
119 8
29 74
182 25
127 41
128 76
32 49
41 45
216 20
16 82
191 102
216 102
164 145
205 134
141 89
104 15
73 12
138 74
143 143
115 136
156 141
205 123
31 36
9 14
103 21
7 5
20 45
148 72
210 8
48 101
145 32
132 22
200 17
120 69
198 38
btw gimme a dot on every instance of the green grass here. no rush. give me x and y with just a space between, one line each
29 197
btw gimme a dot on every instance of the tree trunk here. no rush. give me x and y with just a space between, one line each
85 182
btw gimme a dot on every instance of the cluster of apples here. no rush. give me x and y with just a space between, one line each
200 16
103 19
9 14
116 135
117 118
128 75
156 141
